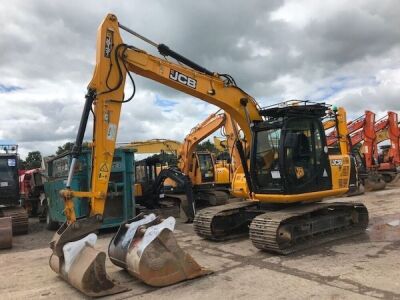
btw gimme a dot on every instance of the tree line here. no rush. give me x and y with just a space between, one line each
34 158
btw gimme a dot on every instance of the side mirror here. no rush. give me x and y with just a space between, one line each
291 140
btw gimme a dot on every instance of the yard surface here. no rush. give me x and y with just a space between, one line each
362 267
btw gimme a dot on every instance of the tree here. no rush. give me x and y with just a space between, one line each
33 160
64 148
207 146
161 158
21 164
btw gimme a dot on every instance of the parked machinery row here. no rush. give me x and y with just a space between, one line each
195 178
365 134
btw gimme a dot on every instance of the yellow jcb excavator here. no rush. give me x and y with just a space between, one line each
200 165
287 174
146 170
195 179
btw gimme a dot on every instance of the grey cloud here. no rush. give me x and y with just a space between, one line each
53 42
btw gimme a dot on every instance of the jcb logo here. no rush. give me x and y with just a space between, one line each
336 162
108 44
182 78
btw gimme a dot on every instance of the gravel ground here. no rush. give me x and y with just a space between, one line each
361 267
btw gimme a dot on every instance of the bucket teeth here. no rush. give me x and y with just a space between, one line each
145 246
158 261
88 273
374 185
163 262
78 263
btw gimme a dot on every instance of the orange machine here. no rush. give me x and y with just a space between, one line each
362 129
193 163
371 135
200 166
210 184
389 160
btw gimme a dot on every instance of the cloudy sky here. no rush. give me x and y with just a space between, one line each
343 52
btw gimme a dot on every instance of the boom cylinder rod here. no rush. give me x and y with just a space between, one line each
166 51
143 38
76 150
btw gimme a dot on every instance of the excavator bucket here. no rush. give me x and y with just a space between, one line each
146 247
395 178
82 266
374 182
5 232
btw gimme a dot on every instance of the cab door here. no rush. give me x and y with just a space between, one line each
305 156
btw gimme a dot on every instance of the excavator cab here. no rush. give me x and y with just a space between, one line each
203 167
289 153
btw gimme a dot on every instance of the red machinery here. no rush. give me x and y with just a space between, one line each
363 129
32 191
389 160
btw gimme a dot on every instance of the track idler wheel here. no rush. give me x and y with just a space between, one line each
146 247
83 267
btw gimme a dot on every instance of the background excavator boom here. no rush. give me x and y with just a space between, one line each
155 146
196 135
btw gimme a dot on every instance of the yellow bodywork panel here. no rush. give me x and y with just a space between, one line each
340 169
382 135
304 197
137 190
223 173
329 124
